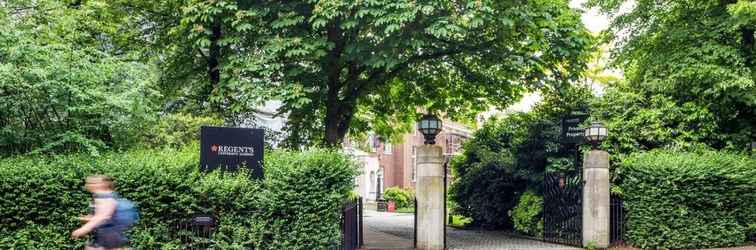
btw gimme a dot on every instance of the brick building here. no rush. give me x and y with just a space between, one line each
397 162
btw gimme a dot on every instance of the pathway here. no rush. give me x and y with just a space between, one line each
395 231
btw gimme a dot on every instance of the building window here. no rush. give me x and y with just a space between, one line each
449 144
387 149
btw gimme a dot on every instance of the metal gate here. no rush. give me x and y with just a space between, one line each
562 207
351 225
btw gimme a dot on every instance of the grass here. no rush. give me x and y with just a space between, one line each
405 210
459 221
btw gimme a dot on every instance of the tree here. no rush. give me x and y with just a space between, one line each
60 90
510 155
364 64
690 74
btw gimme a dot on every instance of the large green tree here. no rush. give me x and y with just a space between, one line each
690 72
369 64
63 86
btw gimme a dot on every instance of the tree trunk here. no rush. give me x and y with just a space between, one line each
213 64
748 45
333 119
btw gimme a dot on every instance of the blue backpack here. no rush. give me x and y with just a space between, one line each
126 214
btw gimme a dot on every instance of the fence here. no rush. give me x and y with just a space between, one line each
616 221
197 232
351 225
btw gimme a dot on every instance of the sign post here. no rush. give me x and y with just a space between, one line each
232 148
572 134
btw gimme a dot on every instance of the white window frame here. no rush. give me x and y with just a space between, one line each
387 148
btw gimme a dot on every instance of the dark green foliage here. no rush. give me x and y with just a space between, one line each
403 198
296 206
486 183
678 200
510 155
367 65
690 70
527 216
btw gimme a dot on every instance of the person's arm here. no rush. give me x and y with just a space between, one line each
104 209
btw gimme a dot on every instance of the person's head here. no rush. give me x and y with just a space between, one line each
99 183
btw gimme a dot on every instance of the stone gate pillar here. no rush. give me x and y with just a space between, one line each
596 199
430 198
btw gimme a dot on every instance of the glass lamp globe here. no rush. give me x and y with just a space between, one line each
430 126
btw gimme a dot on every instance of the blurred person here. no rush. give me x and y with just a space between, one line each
109 218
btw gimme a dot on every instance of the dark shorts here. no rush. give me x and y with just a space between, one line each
109 237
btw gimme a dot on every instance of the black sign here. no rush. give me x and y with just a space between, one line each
231 148
572 133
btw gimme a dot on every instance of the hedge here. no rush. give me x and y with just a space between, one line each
677 200
296 206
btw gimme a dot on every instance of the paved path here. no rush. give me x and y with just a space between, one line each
395 231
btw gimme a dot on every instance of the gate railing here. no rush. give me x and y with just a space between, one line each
562 208
351 225
197 232
616 221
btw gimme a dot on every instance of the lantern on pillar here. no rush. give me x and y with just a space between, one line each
595 134
430 126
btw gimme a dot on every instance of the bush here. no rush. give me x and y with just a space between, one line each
688 200
296 206
527 216
178 130
403 198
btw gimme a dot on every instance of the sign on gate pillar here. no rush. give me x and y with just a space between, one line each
596 199
430 198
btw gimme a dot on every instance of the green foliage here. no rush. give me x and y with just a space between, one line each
527 216
507 156
402 197
690 70
324 61
684 200
296 206
459 221
178 130
59 96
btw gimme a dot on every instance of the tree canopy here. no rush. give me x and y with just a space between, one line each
62 88
369 65
690 74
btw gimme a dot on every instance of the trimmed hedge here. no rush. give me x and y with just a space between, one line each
678 200
296 206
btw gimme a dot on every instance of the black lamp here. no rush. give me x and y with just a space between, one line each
595 134
430 126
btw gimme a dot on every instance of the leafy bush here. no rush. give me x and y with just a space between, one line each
178 130
527 216
59 97
296 206
402 197
688 200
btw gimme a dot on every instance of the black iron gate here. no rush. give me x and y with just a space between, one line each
563 205
351 225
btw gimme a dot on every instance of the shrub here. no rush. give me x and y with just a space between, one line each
688 200
527 215
178 130
402 197
296 206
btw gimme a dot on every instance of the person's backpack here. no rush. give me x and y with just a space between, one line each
126 214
